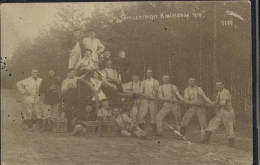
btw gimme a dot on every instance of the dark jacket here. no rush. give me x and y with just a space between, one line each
124 68
51 95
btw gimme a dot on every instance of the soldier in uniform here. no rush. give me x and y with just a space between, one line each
50 90
73 46
69 93
103 58
111 82
86 63
169 95
104 113
149 90
30 89
124 66
195 94
95 45
225 115
134 88
126 126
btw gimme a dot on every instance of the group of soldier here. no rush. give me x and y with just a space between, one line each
87 64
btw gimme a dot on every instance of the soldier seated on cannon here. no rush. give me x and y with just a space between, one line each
85 64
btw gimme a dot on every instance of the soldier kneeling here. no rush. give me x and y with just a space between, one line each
126 125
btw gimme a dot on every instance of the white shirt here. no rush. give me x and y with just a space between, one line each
194 94
110 73
85 63
133 86
104 113
75 55
32 86
149 86
69 83
95 45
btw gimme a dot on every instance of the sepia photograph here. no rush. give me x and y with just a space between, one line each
127 83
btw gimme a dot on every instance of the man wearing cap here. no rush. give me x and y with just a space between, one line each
95 45
225 115
196 95
149 90
134 88
74 47
30 89
169 95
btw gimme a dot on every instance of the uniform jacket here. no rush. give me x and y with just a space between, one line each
51 96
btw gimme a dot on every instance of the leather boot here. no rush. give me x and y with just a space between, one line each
206 137
231 142
141 125
182 130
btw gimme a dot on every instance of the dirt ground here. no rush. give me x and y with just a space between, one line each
21 147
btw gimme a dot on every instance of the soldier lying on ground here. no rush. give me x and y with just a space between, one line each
126 125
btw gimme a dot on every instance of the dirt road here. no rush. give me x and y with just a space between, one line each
22 147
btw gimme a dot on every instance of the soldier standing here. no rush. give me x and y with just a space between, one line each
134 88
29 88
124 66
69 93
50 90
149 90
196 95
225 115
111 81
95 45
170 95
74 47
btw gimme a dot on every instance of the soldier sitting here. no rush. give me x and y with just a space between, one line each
86 63
126 125
104 113
86 115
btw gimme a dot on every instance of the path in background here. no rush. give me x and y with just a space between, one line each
22 147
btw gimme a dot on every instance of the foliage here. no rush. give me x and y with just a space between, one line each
199 47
